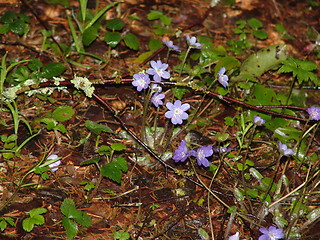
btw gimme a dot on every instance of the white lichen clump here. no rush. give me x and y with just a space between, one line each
84 84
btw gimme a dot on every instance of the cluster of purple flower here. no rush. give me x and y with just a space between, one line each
272 233
201 154
176 110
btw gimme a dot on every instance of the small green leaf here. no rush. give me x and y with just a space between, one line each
90 161
229 121
118 146
61 128
165 20
221 137
10 221
52 70
37 211
122 235
114 169
153 15
232 209
27 224
260 34
34 64
70 226
8 17
4 28
179 92
51 123
38 219
3 225
68 207
155 44
83 219
112 38
255 24
115 24
203 234
314 214
97 128
18 27
131 41
63 113
89 35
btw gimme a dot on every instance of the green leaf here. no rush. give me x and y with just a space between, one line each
118 146
221 137
131 41
203 234
314 214
52 70
287 133
122 235
153 15
90 161
68 208
63 113
3 225
255 24
51 123
10 221
4 28
155 44
165 20
8 17
37 211
114 169
61 128
227 62
112 38
27 224
38 219
97 128
300 69
83 219
229 121
34 64
179 92
260 34
89 35
70 226
18 27
115 24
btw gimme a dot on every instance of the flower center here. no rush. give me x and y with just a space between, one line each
159 71
177 111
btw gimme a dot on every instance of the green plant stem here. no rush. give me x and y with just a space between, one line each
184 60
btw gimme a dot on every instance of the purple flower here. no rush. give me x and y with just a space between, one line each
141 81
201 155
221 149
222 78
284 150
156 88
234 236
53 166
158 70
258 120
157 99
272 233
177 111
314 113
171 46
181 153
192 42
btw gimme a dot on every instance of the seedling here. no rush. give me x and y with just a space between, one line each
72 217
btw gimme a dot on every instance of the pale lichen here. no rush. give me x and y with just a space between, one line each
84 84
